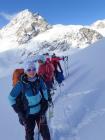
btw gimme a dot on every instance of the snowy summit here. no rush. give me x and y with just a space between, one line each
24 26
27 28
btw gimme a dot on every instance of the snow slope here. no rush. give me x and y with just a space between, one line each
79 109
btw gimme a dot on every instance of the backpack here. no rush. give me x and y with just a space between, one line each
21 102
46 71
19 106
16 76
56 63
59 77
49 71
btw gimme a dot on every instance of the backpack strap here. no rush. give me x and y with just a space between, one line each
40 87
41 93
23 90
34 87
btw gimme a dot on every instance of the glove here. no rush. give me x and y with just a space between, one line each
44 106
22 118
63 58
15 107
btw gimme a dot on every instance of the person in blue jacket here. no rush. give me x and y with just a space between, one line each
34 99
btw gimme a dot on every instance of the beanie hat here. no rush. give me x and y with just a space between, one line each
42 58
29 65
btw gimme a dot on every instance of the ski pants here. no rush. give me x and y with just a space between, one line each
42 126
49 85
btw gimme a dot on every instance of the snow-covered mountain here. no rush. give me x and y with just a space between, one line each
79 106
99 26
63 38
24 26
29 34
28 28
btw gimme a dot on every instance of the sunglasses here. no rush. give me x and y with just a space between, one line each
29 70
40 61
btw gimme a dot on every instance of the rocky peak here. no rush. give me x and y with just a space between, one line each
99 24
89 35
24 26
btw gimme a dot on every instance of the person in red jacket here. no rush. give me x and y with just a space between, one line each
46 71
58 72
55 61
48 57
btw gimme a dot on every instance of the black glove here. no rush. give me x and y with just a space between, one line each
16 108
63 58
44 106
22 118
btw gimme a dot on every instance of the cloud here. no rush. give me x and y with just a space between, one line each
7 16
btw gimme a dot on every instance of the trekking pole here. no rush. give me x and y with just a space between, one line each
39 129
51 111
65 69
53 92
60 88
41 119
67 65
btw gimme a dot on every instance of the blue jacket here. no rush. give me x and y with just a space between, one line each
32 98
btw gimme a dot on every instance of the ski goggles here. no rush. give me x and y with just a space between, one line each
32 69
40 61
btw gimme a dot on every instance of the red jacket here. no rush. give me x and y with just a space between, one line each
56 63
46 71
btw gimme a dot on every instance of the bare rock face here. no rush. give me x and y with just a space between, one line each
89 35
25 26
79 38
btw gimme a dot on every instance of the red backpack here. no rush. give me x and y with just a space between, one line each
46 71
